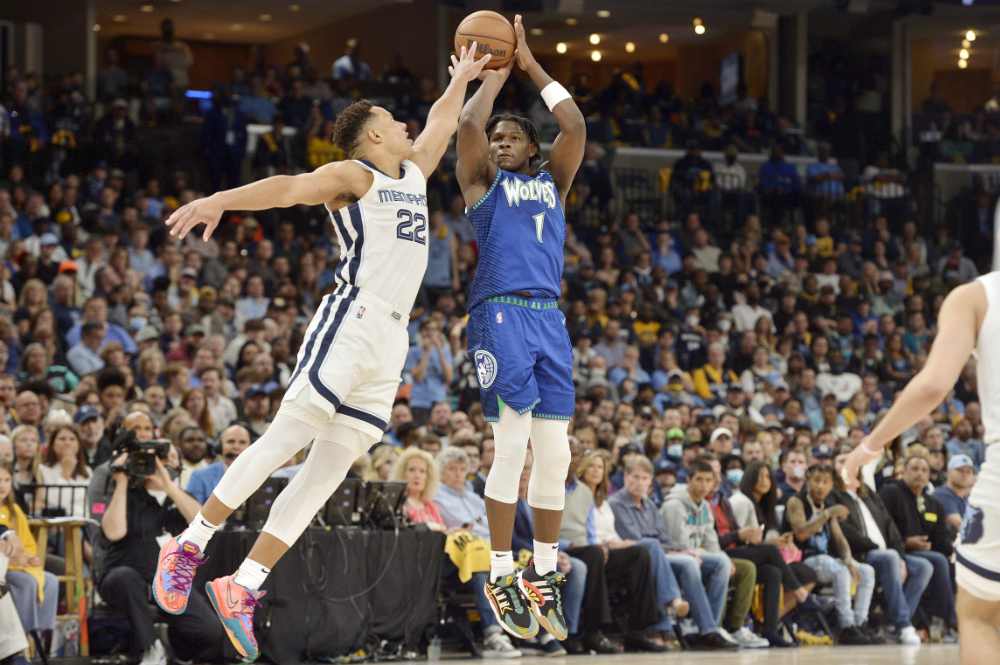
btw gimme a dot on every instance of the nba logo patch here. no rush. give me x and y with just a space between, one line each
361 312
499 317
486 368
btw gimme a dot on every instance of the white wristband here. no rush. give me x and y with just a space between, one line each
554 93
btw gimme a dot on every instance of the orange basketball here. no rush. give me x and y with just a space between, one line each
494 34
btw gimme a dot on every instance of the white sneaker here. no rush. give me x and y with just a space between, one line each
909 636
497 645
727 636
155 654
747 639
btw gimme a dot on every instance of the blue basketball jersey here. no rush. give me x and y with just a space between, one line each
521 229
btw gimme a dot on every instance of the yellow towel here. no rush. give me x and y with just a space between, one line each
469 553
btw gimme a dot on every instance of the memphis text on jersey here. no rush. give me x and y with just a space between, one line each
392 195
529 190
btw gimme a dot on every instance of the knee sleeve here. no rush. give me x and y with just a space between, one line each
324 469
283 438
550 445
510 435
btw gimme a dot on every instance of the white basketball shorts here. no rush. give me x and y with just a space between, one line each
977 559
350 363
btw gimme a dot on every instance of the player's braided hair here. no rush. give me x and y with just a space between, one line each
350 124
527 127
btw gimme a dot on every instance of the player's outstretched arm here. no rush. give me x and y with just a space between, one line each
324 185
474 169
567 149
442 120
954 343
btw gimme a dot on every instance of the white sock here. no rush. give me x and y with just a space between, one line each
546 556
251 575
199 532
501 564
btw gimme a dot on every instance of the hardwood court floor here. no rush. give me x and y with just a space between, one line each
877 655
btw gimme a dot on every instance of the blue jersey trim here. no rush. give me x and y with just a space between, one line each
354 210
348 243
363 416
549 416
489 191
327 308
325 345
402 170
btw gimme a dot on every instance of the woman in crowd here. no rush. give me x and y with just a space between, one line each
37 365
35 592
25 438
65 474
195 404
382 462
417 469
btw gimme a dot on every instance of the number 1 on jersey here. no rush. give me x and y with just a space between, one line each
539 224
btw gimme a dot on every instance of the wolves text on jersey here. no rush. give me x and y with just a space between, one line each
529 190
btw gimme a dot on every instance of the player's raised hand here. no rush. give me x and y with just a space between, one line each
466 67
523 54
200 211
864 454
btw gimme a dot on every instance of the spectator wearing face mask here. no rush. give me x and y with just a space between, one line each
793 467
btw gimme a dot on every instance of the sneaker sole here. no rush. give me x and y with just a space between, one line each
240 649
543 621
496 613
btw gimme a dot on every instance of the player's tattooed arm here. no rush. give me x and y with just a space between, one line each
442 120
330 183
567 149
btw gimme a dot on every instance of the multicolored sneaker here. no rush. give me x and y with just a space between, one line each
235 606
511 607
544 594
175 571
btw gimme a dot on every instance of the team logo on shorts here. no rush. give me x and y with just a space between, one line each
499 317
486 368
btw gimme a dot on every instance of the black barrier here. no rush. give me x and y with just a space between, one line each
338 590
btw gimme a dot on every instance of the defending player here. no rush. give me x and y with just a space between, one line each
349 367
517 335
969 323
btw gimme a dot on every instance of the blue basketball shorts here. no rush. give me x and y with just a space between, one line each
523 357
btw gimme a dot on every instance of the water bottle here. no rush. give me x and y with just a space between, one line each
71 634
434 649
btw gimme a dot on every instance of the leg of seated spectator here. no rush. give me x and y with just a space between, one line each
769 577
124 589
940 597
744 581
886 565
716 569
24 590
478 586
978 620
630 568
596 607
863 594
830 571
663 579
687 571
573 592
918 576
197 634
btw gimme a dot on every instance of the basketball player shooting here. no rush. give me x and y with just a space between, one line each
349 367
969 323
517 335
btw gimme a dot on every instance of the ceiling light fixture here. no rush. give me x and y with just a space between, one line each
119 18
236 27
630 47
97 27
537 32
664 38
595 56
146 9
571 21
561 47
294 7
962 64
265 17
595 39
971 35
963 54
603 13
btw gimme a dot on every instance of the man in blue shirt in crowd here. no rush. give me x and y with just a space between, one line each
430 365
954 495
824 177
234 440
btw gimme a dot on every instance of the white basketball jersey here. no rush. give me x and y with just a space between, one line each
988 358
383 237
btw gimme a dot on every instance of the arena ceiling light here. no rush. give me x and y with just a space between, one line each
603 13
970 35
664 38
699 26
966 43
630 47
561 48
963 54
571 21
119 18
294 8
537 32
595 56
265 17
595 39
962 64
146 9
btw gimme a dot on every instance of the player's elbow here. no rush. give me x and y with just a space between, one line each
931 388
572 120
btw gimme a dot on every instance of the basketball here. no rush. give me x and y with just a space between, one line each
492 31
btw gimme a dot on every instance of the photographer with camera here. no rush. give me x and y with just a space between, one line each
146 504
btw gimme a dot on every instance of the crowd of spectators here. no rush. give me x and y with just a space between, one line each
724 358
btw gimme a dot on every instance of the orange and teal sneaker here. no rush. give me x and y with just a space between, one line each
175 571
235 606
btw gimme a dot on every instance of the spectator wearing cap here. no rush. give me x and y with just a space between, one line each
954 495
51 255
964 443
94 441
233 441
95 310
712 380
84 358
721 443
